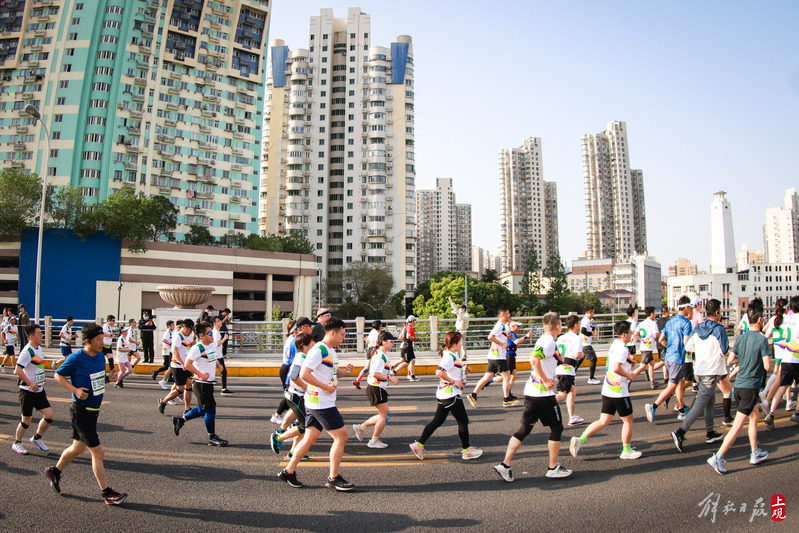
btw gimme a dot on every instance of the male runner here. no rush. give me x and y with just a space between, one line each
647 332
570 349
30 371
181 342
497 360
587 327
220 338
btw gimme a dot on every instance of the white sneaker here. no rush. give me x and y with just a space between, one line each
574 446
593 381
576 420
358 432
763 406
417 450
790 405
276 419
171 402
17 447
2 369
558 472
39 444
505 473
376 444
471 453
163 384
632 454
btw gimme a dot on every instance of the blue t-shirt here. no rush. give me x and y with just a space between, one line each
86 372
751 348
512 345
676 330
292 354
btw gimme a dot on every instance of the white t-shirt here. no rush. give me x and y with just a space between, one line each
32 362
617 386
217 335
108 335
743 325
371 339
65 335
299 359
788 343
130 339
586 323
323 363
122 342
166 343
499 351
633 327
546 350
378 364
648 331
182 343
569 345
204 359
10 332
451 364
287 348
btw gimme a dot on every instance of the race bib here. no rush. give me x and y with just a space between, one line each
40 376
98 383
334 377
287 395
212 357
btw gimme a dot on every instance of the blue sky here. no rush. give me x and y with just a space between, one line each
709 91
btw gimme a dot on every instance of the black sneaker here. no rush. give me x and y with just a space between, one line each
339 484
795 418
291 479
713 436
274 443
666 403
769 421
177 423
226 392
216 440
727 421
678 439
54 477
113 497
154 373
161 405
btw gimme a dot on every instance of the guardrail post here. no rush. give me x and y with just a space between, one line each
48 331
360 327
98 321
433 333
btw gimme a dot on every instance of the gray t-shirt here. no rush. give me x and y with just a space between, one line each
751 348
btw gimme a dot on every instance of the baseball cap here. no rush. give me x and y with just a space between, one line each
410 318
322 311
385 336
304 321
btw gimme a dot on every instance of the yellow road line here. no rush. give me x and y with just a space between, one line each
410 462
398 409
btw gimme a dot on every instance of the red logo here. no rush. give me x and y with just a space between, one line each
777 507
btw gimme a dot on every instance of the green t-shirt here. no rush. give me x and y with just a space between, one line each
751 348
318 332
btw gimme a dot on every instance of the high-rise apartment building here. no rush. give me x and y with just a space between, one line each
781 230
529 206
683 267
162 96
445 231
614 196
338 153
722 239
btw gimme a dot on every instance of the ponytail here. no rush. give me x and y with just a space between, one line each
778 311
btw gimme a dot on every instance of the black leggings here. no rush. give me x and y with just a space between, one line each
221 361
165 366
283 406
458 411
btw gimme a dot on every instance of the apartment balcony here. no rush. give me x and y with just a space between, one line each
237 151
164 190
206 161
131 148
203 194
173 90
134 131
19 146
199 80
22 129
237 168
166 138
141 82
207 113
31 79
27 96
131 166
135 114
205 128
166 155
166 172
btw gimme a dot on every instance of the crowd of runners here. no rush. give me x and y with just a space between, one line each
691 348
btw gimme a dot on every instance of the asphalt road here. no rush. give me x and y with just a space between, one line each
180 483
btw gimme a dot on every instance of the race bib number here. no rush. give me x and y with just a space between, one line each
334 377
212 357
98 383
287 395
40 376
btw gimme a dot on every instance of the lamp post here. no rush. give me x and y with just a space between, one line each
32 111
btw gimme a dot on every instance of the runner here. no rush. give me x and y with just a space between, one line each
754 361
65 337
408 336
786 352
297 387
497 360
181 342
379 376
108 337
461 323
320 372
202 362
665 316
540 403
220 338
304 325
646 332
676 332
288 349
371 347
710 345
570 345
616 393
124 349
166 349
130 340
587 328
83 374
631 312
10 331
451 371
514 340
30 371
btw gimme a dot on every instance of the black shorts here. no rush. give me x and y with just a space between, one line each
84 425
107 351
647 357
789 374
688 371
565 383
180 376
746 400
511 362
543 408
588 351
204 393
328 419
631 349
376 395
297 406
611 406
661 351
407 352
497 366
10 350
29 400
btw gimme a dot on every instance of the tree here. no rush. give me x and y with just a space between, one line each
199 235
296 243
531 283
440 289
69 211
364 290
19 201
160 217
558 296
233 241
581 301
125 216
490 276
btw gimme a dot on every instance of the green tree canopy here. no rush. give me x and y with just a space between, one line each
490 276
19 201
125 216
69 211
199 235
442 287
160 217
530 283
559 298
364 290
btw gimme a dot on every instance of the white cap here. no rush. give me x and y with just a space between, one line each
410 318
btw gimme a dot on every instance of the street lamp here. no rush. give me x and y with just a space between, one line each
32 111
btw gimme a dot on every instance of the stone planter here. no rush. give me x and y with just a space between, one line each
185 296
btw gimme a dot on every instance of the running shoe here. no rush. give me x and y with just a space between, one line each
54 478
682 413
39 444
19 448
163 385
666 403
512 397
650 412
504 472
576 420
593 381
795 418
758 456
154 374
161 405
358 432
653 386
414 378
472 399
713 436
574 446
727 421
291 454
790 405
510 403
471 453
763 406
274 443
291 479
356 384
376 444
276 419
340 484
769 421
280 431
216 440
2 369
173 402
632 454
717 464
678 440
558 472
226 392
177 423
112 497
119 385
417 450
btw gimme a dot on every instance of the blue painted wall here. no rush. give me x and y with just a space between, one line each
70 270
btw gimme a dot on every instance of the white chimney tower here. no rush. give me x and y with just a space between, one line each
722 241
